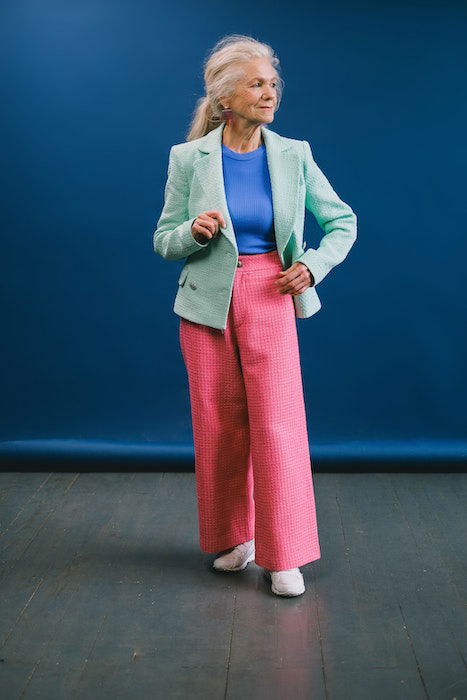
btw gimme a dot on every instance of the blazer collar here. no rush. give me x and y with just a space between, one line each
284 173
213 140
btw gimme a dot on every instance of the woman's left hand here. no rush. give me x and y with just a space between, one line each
295 279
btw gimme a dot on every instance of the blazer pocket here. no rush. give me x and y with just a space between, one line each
182 276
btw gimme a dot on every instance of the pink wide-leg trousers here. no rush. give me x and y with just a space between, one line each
252 460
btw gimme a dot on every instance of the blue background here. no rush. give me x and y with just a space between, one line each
94 95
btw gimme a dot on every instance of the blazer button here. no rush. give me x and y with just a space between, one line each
239 263
192 285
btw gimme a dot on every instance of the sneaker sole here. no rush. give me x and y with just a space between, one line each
237 568
267 574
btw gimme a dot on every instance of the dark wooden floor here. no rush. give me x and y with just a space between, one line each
105 594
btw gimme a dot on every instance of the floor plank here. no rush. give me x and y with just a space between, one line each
105 594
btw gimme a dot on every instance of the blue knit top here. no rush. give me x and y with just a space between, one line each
249 199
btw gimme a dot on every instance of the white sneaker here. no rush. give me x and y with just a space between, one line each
237 559
288 583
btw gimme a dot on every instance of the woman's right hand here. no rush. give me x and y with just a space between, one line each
206 225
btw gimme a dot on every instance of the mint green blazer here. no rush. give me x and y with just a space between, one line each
195 183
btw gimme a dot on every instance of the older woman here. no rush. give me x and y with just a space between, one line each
234 208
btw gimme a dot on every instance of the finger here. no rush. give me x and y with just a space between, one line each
299 288
291 271
293 290
213 223
289 276
216 214
199 227
282 282
208 223
294 285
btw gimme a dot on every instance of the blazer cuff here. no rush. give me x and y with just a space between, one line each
189 242
312 260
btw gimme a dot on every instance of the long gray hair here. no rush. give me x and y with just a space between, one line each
221 73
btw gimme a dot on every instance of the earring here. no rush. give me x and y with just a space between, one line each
227 113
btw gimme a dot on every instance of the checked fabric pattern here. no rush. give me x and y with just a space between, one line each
252 460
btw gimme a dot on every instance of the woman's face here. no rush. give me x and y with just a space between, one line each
255 97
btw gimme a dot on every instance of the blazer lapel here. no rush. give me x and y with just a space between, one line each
284 173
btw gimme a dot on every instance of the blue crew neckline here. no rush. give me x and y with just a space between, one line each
243 156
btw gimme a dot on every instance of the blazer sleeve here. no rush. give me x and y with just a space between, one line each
173 238
334 216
